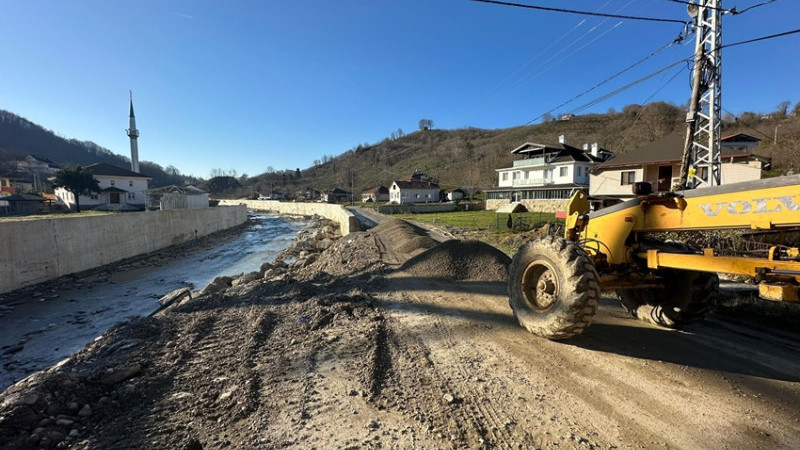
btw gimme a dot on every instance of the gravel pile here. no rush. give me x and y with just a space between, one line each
460 260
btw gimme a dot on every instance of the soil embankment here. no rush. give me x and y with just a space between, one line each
390 339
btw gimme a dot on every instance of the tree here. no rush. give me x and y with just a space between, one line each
78 181
425 124
783 109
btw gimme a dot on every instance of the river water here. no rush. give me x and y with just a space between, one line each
44 328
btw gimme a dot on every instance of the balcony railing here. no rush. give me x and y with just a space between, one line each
530 162
533 182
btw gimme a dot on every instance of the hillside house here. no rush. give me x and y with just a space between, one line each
177 197
545 176
418 188
120 190
376 194
659 163
452 195
23 204
10 185
336 195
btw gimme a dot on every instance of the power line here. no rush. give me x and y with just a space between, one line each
685 2
628 86
739 120
763 38
734 11
584 13
679 39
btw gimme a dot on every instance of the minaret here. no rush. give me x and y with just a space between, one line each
133 133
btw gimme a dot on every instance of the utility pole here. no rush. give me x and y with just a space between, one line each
701 163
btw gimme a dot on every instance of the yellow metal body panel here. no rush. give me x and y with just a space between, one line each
707 262
763 204
778 292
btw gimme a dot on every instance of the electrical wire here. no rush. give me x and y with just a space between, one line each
763 38
647 77
735 12
584 13
732 11
747 124
677 40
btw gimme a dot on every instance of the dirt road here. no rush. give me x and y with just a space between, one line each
381 343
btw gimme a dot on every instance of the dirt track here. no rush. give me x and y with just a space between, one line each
356 350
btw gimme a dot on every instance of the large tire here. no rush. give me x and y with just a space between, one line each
553 288
688 296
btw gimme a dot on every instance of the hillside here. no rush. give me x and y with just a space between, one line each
462 157
20 137
469 156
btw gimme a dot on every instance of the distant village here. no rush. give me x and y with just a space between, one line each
541 178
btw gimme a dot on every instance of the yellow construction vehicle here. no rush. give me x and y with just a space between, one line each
554 283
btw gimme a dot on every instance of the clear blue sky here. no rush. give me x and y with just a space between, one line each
246 85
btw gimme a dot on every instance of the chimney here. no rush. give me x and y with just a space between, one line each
595 149
562 139
586 147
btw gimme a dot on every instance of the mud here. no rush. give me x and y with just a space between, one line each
353 345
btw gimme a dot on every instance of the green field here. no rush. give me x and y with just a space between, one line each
482 220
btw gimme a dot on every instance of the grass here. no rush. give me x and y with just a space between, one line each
486 226
53 215
480 220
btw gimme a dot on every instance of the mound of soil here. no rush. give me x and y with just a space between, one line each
460 260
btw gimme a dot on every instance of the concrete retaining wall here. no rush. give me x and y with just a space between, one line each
550 206
38 250
337 213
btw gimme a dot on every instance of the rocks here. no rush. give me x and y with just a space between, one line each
175 296
217 284
121 373
86 411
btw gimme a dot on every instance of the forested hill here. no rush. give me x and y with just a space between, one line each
20 137
464 157
468 157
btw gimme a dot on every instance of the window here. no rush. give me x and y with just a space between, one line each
130 183
505 176
131 195
562 171
112 182
416 195
628 177
93 196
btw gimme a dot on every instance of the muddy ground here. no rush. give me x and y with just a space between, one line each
387 339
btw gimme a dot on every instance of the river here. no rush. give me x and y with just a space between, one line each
43 328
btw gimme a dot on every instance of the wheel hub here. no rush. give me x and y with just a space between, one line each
540 286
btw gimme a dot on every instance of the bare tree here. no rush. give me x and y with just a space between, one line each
425 124
782 109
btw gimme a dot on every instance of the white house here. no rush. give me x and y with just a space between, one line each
418 188
120 190
659 164
177 197
377 194
545 176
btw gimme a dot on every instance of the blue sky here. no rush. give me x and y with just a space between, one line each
247 85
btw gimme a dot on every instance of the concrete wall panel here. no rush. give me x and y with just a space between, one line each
39 250
337 213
